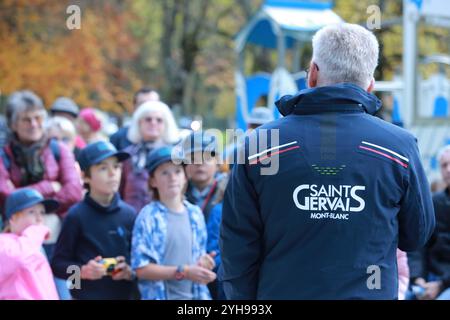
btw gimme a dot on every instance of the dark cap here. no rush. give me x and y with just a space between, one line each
96 152
199 142
66 105
26 198
161 155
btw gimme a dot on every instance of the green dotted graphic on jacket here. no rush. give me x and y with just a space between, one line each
328 171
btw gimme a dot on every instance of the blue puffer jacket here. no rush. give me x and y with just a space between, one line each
319 212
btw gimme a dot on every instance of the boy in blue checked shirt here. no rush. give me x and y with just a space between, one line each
169 238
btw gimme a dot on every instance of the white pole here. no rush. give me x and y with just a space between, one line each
410 19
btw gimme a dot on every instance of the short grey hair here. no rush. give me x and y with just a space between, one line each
345 53
170 134
22 101
442 151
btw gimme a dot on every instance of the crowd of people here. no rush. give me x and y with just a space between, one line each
137 216
117 197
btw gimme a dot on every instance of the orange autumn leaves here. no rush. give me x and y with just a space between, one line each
91 64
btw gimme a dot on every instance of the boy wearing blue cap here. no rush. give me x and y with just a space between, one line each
25 272
206 188
96 234
169 237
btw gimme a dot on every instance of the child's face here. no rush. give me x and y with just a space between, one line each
63 136
105 176
201 173
30 216
169 179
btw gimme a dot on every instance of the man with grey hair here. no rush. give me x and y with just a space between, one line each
430 267
350 188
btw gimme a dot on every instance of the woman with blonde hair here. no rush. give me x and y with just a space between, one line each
152 126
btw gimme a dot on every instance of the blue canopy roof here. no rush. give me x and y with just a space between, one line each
293 19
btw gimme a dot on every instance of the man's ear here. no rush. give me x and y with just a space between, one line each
371 86
312 77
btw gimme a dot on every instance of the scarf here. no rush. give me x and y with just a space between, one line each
139 157
28 158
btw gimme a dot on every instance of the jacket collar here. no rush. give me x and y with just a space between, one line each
344 97
113 207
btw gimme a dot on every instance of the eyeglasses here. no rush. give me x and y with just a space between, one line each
30 119
151 119
307 70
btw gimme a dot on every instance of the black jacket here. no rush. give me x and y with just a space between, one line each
91 230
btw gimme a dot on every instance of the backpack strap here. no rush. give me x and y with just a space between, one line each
54 146
6 160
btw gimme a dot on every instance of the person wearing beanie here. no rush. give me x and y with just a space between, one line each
89 125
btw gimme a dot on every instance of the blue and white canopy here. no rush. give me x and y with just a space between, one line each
296 20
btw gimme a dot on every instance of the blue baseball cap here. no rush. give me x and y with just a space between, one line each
161 155
96 152
199 142
26 198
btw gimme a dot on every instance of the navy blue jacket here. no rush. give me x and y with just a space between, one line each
348 190
120 138
91 230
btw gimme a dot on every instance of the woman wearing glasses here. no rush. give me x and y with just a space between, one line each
31 159
152 125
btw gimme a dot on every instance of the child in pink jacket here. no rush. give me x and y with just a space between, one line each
24 270
403 274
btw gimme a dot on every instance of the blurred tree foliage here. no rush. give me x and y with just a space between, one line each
431 39
183 48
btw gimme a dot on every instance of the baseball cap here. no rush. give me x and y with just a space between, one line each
26 198
96 152
161 155
199 142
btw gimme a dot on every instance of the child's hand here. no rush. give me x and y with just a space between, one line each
122 270
207 260
93 270
199 274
